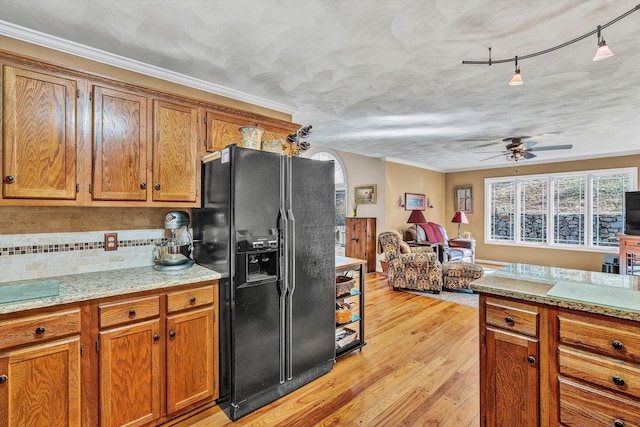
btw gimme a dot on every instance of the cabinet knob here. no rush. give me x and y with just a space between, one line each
617 345
9 179
192 300
618 381
618 423
157 186
156 337
172 334
40 330
132 312
531 360
3 379
509 320
143 185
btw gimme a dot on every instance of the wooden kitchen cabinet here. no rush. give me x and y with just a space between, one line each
146 353
509 358
361 240
130 374
176 167
40 370
120 145
38 135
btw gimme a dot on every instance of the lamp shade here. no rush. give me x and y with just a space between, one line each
416 217
460 218
602 52
516 80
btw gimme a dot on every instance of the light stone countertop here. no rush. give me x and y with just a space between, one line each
88 286
600 293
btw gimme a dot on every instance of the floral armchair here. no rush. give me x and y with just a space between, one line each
418 270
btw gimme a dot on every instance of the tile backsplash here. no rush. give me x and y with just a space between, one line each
33 256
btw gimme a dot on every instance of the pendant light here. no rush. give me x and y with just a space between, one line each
517 78
603 51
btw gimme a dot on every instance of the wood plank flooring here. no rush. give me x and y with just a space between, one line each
420 367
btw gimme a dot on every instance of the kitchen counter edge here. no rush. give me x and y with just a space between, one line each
102 284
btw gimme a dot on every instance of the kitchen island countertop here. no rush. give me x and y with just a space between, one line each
600 293
89 286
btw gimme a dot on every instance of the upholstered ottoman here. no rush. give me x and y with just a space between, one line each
458 275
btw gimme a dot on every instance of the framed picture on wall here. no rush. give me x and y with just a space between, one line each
463 199
365 194
414 202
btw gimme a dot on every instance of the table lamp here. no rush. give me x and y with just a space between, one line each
416 218
460 218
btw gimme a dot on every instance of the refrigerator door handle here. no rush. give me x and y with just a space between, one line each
284 272
291 285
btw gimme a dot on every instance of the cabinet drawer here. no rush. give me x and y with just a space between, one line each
30 330
191 298
584 406
512 316
618 340
603 371
128 311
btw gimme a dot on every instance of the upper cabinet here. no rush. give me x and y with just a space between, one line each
70 138
120 145
38 135
175 153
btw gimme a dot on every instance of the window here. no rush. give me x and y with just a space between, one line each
341 193
579 210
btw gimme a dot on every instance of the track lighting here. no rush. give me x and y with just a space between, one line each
517 78
603 51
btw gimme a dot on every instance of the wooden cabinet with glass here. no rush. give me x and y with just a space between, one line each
629 254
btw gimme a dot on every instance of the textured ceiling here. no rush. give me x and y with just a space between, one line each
385 78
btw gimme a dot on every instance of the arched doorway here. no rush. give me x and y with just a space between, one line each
340 191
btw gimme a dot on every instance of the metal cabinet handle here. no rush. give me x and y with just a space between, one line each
143 185
156 337
192 300
618 423
172 334
3 379
157 186
618 381
9 179
617 345
509 320
531 360
40 330
132 312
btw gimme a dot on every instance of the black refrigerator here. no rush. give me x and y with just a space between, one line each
267 226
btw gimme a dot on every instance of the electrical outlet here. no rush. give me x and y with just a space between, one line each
110 241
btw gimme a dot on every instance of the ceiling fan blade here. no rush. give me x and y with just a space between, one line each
493 157
528 155
552 147
529 144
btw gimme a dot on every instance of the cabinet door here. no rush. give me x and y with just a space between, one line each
190 364
511 383
41 385
356 238
119 145
39 135
175 156
221 133
130 374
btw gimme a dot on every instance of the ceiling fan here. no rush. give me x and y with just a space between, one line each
516 149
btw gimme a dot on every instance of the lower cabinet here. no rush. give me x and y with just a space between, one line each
40 375
40 385
548 366
130 374
155 362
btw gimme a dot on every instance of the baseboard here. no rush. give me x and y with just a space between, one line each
485 261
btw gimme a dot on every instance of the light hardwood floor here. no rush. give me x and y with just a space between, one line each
420 367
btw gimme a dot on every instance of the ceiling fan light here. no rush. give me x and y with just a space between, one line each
603 51
516 80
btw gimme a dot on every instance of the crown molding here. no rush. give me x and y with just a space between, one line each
66 46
